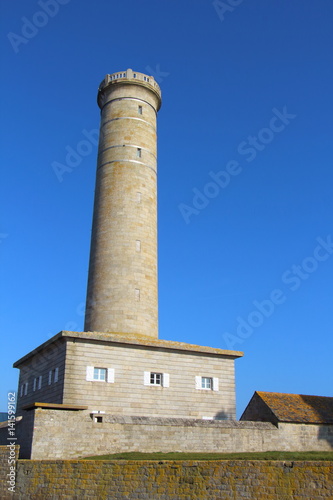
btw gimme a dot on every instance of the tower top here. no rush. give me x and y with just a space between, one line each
129 77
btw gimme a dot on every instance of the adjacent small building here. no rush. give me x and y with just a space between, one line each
280 408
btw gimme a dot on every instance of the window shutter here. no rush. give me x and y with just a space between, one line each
215 384
166 380
198 382
50 377
146 378
111 375
90 373
56 374
35 383
21 392
26 389
39 382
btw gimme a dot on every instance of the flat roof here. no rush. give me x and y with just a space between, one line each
130 339
54 406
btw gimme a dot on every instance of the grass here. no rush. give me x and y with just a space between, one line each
267 455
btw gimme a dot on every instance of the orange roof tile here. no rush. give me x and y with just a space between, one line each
299 408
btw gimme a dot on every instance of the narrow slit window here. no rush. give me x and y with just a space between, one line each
138 245
140 110
139 152
137 295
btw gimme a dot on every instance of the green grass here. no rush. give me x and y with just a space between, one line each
267 455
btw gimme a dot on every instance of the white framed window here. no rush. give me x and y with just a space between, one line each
207 383
53 374
24 389
37 383
99 374
156 379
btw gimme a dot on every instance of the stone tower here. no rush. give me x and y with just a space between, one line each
122 281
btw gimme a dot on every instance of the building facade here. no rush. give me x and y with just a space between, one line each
128 375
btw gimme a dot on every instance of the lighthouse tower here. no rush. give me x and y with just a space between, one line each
122 281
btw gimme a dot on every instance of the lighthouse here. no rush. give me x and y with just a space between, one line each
122 280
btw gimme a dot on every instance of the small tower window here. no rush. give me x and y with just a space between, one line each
138 152
140 110
138 245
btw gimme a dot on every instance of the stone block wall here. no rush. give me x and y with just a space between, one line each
40 365
67 434
128 395
174 480
8 458
73 355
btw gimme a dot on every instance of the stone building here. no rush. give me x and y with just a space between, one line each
129 375
279 407
118 365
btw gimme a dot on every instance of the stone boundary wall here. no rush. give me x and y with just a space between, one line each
8 459
68 434
173 480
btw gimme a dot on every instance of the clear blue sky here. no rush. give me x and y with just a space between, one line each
247 101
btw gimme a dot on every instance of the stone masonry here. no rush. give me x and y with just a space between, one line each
127 361
122 283
65 434
168 480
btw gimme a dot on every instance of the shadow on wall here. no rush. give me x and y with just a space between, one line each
322 412
325 432
222 415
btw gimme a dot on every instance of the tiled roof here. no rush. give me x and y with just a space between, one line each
299 408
